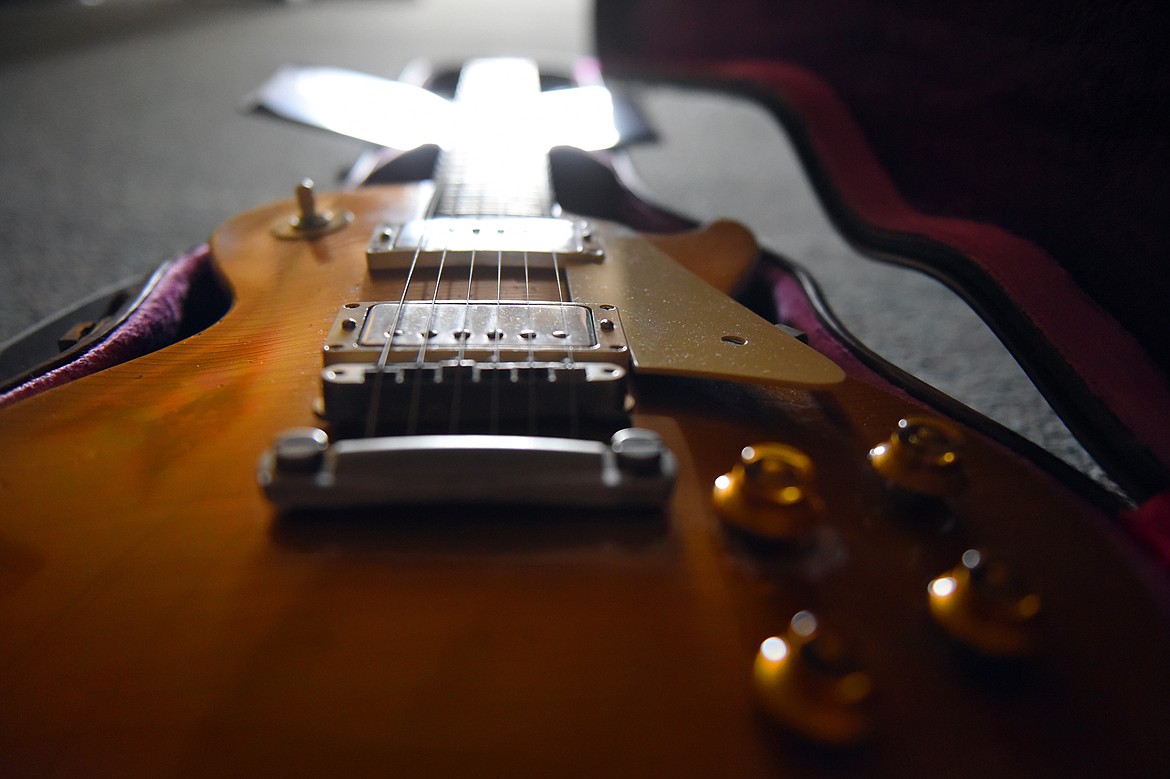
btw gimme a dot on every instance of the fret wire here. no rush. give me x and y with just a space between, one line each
470 188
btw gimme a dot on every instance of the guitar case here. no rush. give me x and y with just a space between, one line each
1016 151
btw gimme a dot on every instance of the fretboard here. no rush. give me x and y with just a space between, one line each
497 164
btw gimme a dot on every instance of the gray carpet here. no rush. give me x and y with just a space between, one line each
121 145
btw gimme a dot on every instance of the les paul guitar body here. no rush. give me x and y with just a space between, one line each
160 615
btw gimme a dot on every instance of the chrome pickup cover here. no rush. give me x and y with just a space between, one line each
425 331
521 325
507 241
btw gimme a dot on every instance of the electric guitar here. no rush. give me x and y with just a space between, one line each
464 484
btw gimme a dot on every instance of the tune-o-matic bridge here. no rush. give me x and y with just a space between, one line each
520 397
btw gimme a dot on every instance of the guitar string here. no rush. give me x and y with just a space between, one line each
463 332
375 400
494 407
420 359
463 336
440 196
542 197
531 350
454 189
444 180
570 361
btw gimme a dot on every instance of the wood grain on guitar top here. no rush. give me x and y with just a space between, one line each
156 617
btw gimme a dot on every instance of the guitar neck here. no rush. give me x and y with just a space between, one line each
496 165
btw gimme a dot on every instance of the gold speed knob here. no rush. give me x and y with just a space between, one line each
923 457
986 606
769 492
809 682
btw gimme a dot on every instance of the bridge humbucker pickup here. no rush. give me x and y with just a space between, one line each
484 330
480 324
473 395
